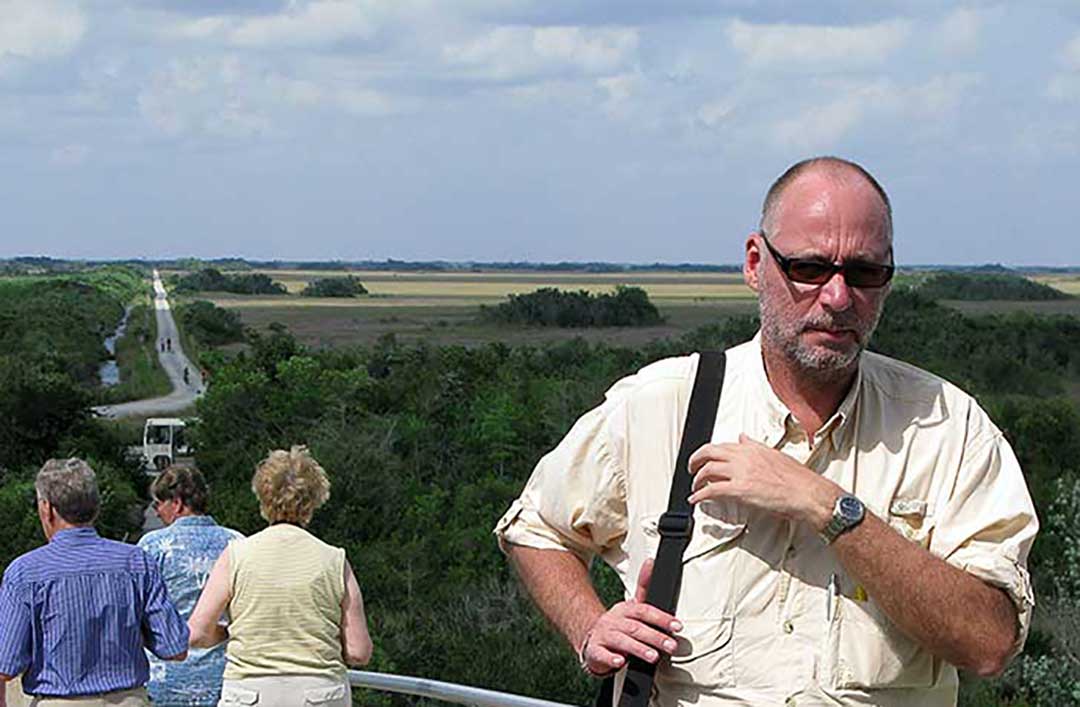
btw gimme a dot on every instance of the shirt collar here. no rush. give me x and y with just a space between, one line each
777 414
846 411
199 520
74 535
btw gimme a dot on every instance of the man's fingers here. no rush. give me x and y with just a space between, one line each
701 456
649 614
601 661
630 628
651 637
638 640
712 452
713 481
644 576
713 471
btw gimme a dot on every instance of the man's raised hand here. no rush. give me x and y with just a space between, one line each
630 627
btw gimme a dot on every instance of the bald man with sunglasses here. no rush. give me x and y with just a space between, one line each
861 528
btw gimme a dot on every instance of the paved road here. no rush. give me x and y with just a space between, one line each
172 360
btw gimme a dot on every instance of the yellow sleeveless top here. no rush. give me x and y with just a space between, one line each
285 611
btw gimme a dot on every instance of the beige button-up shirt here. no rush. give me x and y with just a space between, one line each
769 614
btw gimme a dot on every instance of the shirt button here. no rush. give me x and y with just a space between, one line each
788 627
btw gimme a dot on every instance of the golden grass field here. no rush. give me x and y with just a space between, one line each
442 307
1069 284
495 286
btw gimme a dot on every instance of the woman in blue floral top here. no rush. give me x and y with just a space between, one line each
185 550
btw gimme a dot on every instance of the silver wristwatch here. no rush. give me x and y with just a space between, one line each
847 513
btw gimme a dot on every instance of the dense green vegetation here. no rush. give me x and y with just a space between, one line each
213 280
426 447
61 322
141 374
51 334
550 306
209 324
986 286
348 286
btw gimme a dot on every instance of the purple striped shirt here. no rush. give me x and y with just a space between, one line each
76 614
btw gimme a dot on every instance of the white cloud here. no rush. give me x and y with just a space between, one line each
40 29
233 97
307 24
298 92
714 115
1064 87
201 28
939 96
959 32
1071 53
206 95
621 87
816 46
512 52
363 102
69 155
925 107
824 125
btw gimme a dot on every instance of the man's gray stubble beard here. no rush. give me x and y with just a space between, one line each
822 365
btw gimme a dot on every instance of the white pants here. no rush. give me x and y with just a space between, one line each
286 691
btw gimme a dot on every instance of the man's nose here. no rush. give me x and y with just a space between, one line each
835 294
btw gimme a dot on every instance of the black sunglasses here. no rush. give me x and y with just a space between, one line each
815 271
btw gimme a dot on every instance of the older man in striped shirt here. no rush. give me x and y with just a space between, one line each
76 614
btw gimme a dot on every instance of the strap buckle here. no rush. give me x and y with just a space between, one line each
676 524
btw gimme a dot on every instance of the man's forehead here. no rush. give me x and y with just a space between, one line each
832 193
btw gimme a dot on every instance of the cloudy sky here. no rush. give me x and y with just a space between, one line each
618 130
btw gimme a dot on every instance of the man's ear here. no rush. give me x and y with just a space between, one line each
752 261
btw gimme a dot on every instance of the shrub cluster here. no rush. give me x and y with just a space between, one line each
348 286
986 286
213 280
549 306
209 324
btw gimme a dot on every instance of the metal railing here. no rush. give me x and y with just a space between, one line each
446 691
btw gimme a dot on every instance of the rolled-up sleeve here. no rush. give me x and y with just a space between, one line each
15 627
165 632
575 499
988 525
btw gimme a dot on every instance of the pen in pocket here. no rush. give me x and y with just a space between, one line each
830 597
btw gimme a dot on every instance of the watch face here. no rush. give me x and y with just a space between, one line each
851 509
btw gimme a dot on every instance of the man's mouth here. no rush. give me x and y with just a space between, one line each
834 333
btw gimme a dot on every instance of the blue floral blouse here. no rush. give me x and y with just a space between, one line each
186 551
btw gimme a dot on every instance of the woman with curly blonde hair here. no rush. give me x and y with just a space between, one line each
296 612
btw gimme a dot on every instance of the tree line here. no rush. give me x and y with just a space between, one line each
986 286
213 280
550 306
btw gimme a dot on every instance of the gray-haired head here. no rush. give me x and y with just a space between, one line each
70 487
837 166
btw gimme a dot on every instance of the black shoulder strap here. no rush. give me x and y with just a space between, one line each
675 526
